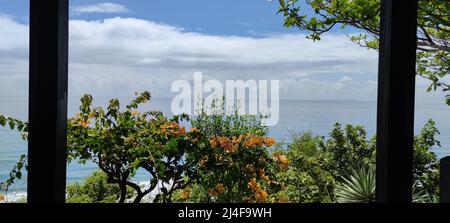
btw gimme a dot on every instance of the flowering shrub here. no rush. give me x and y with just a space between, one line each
236 169
234 162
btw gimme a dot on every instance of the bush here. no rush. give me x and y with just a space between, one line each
234 162
95 189
309 177
318 166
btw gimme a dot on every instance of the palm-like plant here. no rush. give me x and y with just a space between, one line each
360 187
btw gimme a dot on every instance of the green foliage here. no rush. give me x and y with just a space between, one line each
433 55
16 172
349 148
212 121
95 189
426 165
15 124
309 177
332 170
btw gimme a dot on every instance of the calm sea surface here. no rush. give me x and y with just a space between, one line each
297 116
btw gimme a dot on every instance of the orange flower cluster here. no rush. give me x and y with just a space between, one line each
258 141
2 197
194 130
84 123
203 160
254 185
281 159
173 129
262 174
135 113
79 120
185 194
214 192
231 144
260 194
220 188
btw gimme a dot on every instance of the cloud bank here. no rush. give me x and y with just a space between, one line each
105 7
118 56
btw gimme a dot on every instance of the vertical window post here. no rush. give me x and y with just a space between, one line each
48 101
396 88
445 180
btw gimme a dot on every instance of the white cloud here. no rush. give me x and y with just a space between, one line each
143 50
118 56
105 7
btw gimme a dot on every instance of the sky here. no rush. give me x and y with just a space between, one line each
119 47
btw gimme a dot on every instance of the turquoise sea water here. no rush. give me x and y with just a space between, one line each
297 116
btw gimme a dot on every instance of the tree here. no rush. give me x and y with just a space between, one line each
121 142
433 55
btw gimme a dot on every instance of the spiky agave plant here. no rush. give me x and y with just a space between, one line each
360 187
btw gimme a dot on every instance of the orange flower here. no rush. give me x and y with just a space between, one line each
225 143
203 160
212 192
283 199
261 172
135 113
86 123
172 129
185 194
269 142
213 142
254 141
253 184
2 197
220 188
192 130
248 144
261 196
281 159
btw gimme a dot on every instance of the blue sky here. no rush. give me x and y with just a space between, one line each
230 17
120 46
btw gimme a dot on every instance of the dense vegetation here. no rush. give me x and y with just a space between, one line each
222 158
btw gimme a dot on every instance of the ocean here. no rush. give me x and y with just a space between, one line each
295 116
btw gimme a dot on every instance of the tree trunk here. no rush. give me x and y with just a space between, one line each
123 192
138 198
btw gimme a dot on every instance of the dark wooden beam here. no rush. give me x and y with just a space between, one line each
48 101
396 88
445 180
